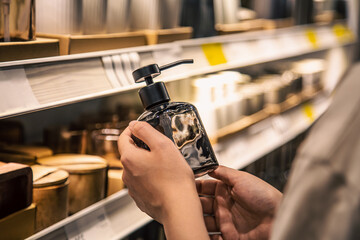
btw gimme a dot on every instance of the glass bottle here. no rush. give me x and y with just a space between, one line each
179 121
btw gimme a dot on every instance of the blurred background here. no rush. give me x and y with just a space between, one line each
264 71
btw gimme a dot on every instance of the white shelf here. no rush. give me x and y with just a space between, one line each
269 134
238 50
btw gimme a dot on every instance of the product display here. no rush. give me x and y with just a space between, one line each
23 154
20 224
17 20
105 145
87 176
50 193
115 182
178 121
16 182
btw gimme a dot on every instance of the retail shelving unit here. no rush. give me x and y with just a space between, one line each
34 85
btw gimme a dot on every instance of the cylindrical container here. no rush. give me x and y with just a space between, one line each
50 193
311 71
144 14
170 11
115 182
59 16
105 145
87 178
94 16
17 20
226 11
117 16
293 80
253 95
275 92
64 140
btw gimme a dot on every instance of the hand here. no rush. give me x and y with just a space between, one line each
161 182
242 204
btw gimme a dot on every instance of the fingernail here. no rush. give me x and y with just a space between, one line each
132 123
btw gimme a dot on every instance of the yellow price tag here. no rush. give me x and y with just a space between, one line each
308 110
342 33
312 37
214 53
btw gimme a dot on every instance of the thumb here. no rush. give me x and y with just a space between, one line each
225 174
146 133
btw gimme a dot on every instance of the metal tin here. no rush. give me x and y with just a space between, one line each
50 193
87 175
105 145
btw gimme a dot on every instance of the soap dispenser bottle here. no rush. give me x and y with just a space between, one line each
179 121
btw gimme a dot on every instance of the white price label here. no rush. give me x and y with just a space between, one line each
92 227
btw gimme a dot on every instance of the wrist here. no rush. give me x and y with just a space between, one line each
183 217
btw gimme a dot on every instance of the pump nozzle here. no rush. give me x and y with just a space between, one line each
149 72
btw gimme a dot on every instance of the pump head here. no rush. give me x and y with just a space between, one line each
151 71
154 93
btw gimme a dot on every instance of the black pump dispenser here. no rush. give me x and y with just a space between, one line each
155 92
179 121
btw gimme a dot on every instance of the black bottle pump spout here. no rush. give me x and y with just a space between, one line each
149 72
154 93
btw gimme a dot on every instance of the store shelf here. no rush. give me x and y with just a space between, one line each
112 218
246 147
114 67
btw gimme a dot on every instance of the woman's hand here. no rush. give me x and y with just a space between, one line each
161 182
240 205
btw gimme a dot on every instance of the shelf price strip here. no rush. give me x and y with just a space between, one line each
96 226
342 33
308 111
214 53
312 37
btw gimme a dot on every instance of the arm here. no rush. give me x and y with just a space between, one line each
161 182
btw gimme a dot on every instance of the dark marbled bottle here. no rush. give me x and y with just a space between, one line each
178 121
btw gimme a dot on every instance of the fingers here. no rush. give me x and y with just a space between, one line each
149 135
129 152
225 174
210 224
223 215
206 187
125 141
207 204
